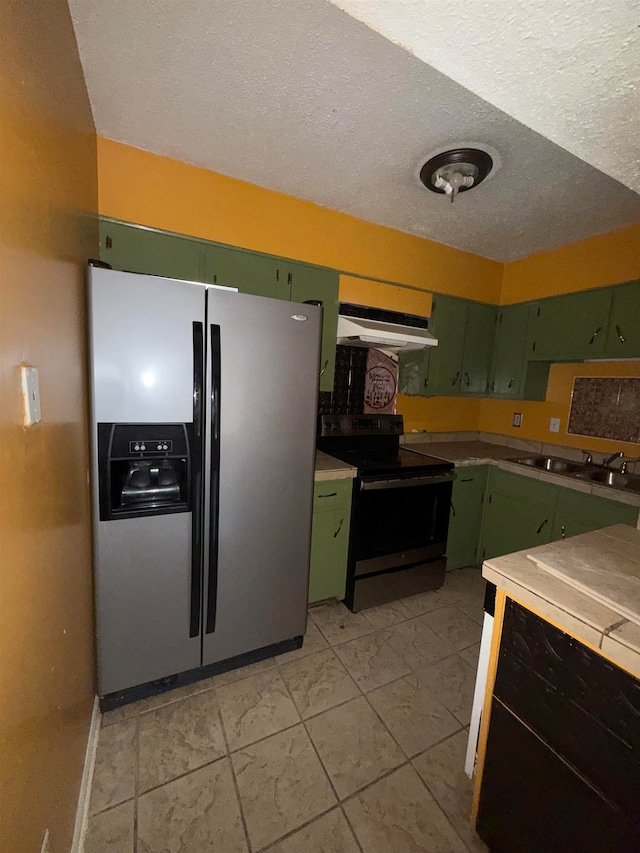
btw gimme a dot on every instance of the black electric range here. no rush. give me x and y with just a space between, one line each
400 513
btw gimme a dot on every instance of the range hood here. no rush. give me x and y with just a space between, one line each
359 326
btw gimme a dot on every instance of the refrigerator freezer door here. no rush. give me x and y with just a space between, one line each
262 429
143 349
141 334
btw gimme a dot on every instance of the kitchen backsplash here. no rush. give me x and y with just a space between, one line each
366 380
606 408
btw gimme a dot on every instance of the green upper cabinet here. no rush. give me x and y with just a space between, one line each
571 327
465 518
413 372
250 272
478 348
142 250
623 333
449 320
508 366
318 284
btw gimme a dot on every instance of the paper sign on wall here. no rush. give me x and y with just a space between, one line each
381 383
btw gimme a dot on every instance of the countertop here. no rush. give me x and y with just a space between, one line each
524 577
328 468
463 453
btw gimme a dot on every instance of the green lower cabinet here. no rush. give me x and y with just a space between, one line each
577 512
330 540
465 518
519 513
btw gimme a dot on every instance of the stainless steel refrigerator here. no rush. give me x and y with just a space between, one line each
203 407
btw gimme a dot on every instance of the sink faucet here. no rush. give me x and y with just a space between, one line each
607 462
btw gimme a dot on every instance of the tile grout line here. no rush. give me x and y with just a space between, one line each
243 819
136 786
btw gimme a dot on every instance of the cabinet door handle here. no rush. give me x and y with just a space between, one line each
595 335
619 334
339 528
563 531
511 381
326 364
330 495
426 382
466 378
455 378
539 530
453 509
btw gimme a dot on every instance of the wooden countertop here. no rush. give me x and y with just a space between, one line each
567 583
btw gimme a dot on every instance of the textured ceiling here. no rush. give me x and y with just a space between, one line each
569 69
297 96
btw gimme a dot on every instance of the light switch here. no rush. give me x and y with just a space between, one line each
554 425
30 395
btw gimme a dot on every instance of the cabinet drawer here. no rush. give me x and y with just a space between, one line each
331 494
586 708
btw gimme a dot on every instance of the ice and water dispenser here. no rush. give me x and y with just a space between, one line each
144 469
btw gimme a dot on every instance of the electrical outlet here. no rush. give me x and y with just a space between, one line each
554 425
517 419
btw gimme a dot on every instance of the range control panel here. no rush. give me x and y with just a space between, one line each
350 425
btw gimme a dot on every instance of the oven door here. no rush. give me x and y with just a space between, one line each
401 522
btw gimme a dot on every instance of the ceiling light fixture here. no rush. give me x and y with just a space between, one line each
456 171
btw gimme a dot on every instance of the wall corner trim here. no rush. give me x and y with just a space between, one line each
82 810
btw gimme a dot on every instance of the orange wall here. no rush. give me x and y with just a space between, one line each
148 189
48 199
496 415
605 259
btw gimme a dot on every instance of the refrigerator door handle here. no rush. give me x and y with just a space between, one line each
195 607
214 497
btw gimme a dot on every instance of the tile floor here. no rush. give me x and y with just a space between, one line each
353 744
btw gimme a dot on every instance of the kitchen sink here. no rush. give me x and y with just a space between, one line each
614 479
552 463
583 471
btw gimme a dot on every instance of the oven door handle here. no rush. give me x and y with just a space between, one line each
406 482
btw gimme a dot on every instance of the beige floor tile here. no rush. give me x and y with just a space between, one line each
243 671
255 707
282 785
313 642
416 643
318 682
413 715
179 737
133 709
193 814
115 767
399 815
471 654
371 661
452 680
338 624
327 834
468 579
388 614
422 603
473 606
442 770
454 627
354 746
111 831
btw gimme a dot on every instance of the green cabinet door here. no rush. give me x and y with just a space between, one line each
330 540
135 249
578 512
413 372
445 364
478 348
623 334
572 326
318 284
250 272
519 513
465 518
508 363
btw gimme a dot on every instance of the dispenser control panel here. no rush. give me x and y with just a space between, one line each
151 445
